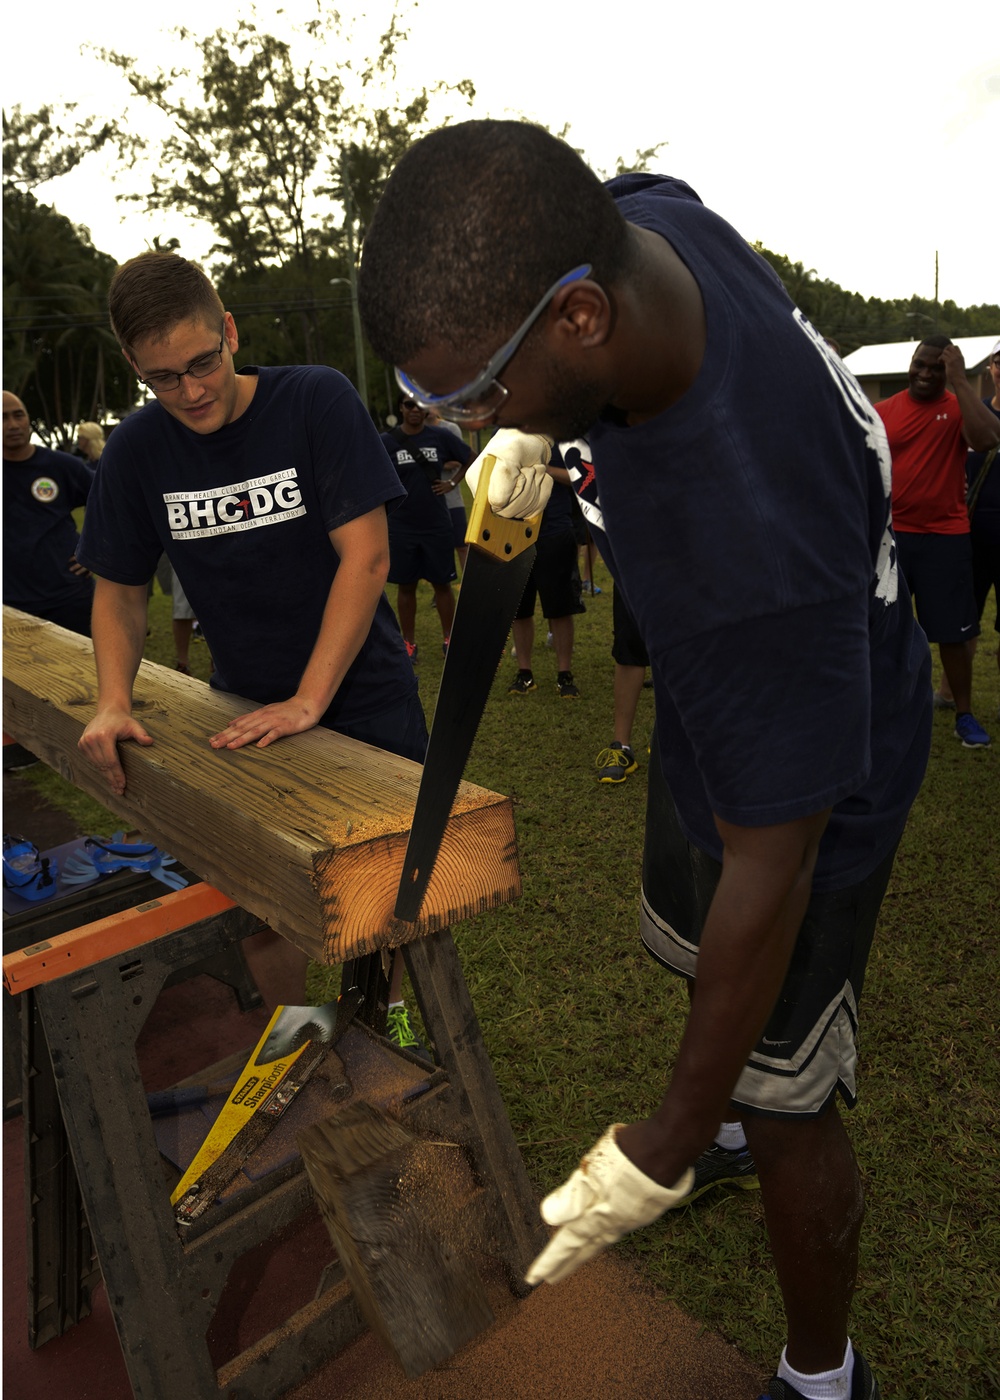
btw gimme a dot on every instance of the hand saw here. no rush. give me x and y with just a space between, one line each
501 553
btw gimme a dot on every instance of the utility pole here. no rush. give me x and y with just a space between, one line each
352 271
936 278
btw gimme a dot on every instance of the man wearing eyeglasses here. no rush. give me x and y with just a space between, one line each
744 481
267 489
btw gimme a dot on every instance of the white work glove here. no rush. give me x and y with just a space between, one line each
605 1197
519 486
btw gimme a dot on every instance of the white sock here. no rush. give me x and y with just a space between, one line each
731 1136
823 1385
396 1003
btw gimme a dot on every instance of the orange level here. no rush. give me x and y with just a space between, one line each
105 938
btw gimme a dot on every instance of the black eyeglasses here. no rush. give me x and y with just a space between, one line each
201 368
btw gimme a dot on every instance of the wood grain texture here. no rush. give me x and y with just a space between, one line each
308 834
390 1201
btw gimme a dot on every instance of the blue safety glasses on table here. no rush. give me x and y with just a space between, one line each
478 401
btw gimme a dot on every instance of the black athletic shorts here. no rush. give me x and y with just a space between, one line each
627 646
431 557
554 578
808 1051
938 573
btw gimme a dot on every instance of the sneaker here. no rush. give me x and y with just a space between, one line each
864 1386
591 589
719 1166
401 1033
564 685
522 683
615 763
445 645
411 650
184 670
941 702
971 733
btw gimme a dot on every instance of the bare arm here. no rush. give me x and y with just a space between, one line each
746 946
118 626
362 546
980 427
451 483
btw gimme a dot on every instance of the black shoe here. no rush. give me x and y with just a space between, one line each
615 763
564 685
522 683
718 1166
864 1386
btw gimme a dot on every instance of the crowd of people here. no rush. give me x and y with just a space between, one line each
771 605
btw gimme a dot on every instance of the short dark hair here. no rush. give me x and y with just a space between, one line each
151 294
935 342
475 224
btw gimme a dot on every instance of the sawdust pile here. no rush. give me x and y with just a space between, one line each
600 1332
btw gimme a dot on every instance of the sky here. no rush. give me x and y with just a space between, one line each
859 139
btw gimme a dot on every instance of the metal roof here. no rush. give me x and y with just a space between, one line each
894 358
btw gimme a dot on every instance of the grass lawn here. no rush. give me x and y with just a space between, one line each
582 1026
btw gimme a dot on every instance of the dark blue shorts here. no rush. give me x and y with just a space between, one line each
428 556
554 578
808 1051
938 573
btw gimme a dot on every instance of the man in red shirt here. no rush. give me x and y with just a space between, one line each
930 431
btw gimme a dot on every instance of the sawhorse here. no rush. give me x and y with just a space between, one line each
89 998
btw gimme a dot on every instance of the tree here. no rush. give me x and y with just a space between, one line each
40 146
284 159
59 354
853 320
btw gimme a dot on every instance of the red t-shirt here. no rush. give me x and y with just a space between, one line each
928 464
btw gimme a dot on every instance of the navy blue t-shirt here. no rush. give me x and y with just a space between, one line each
244 516
39 532
423 512
749 530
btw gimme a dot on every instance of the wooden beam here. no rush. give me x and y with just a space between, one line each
308 834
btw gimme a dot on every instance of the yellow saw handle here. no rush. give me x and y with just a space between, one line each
504 539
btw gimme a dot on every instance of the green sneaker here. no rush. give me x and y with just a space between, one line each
401 1033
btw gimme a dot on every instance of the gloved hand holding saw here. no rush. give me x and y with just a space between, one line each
520 485
605 1198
